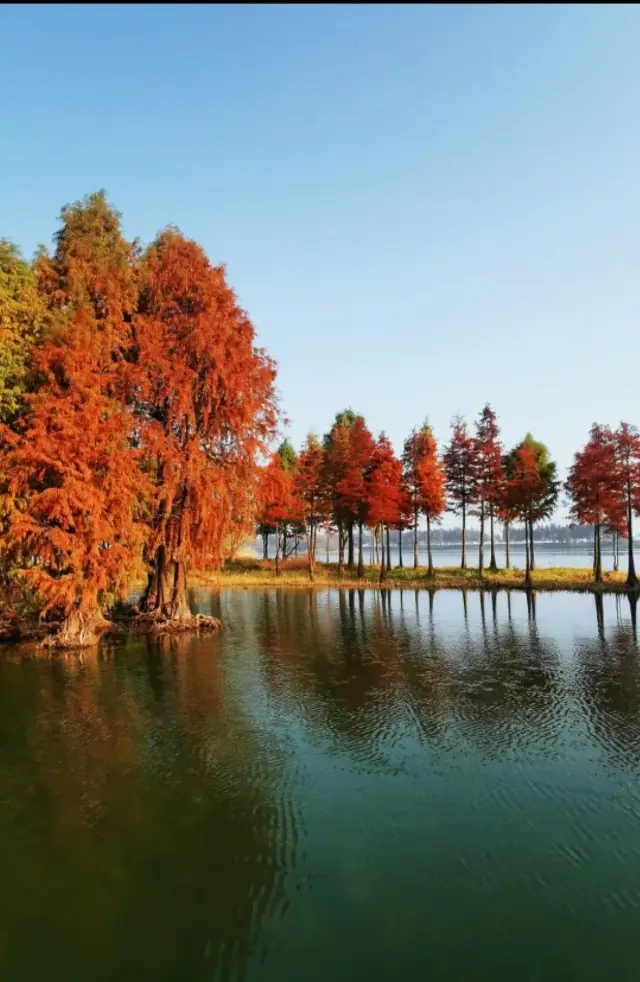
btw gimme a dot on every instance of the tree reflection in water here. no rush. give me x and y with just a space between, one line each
148 832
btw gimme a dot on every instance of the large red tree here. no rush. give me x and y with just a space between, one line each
202 395
73 466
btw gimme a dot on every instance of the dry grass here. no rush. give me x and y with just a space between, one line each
294 573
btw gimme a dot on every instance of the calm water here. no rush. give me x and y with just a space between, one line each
545 556
336 787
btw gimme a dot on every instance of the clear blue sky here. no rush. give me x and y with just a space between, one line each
421 207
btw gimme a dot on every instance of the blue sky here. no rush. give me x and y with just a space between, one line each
421 207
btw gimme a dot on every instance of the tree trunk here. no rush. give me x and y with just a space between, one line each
360 552
527 569
179 609
265 545
598 556
493 566
429 556
350 560
388 549
595 552
310 533
481 544
507 556
532 558
79 629
463 560
284 541
277 549
400 563
632 579
614 549
383 565
415 538
375 545
340 551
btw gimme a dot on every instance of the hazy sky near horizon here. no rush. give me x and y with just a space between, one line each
422 207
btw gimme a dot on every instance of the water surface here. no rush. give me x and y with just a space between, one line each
342 785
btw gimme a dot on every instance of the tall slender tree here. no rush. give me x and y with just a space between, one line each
595 493
460 466
489 479
310 490
384 493
627 440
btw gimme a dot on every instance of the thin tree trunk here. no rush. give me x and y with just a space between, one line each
383 566
388 549
375 542
400 563
360 552
595 552
481 545
415 538
327 546
429 556
284 542
616 551
265 545
632 579
463 561
598 564
532 558
507 555
493 566
340 551
350 559
310 532
527 569
277 548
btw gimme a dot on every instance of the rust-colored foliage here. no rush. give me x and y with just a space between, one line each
310 492
73 471
203 398
627 444
460 460
276 498
595 489
425 483
384 491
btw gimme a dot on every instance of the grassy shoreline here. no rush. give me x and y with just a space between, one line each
253 573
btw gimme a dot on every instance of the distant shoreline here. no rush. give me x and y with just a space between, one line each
254 573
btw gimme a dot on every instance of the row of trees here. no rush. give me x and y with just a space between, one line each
351 480
134 405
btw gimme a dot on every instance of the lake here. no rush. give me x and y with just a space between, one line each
546 555
341 785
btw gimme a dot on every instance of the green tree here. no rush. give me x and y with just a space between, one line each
21 320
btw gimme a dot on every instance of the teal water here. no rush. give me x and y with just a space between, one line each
338 786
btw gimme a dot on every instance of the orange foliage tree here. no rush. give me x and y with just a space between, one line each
275 496
311 494
460 471
384 493
627 443
424 481
73 467
202 396
594 488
